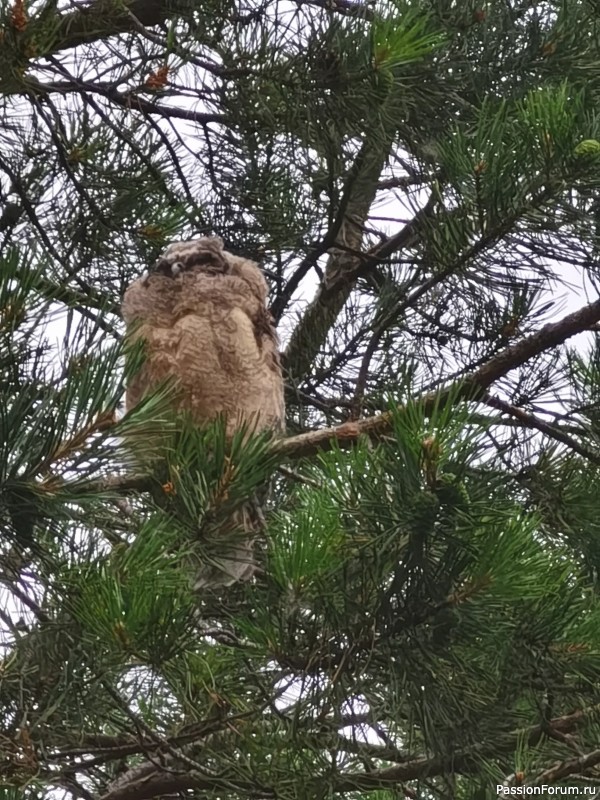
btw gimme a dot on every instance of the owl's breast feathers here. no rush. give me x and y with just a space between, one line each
202 313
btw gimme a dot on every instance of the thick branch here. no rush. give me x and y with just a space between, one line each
170 782
563 769
98 20
129 100
472 387
341 271
531 421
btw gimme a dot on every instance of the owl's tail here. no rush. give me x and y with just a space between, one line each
233 549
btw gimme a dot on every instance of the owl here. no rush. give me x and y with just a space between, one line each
202 314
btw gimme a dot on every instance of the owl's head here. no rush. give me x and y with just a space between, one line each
205 255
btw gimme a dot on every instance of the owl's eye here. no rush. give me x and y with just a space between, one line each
161 265
176 268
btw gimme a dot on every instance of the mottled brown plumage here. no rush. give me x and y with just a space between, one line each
202 313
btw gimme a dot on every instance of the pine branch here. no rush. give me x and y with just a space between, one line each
100 19
531 421
96 21
472 387
346 262
340 272
128 100
344 7
160 783
565 768
344 269
157 783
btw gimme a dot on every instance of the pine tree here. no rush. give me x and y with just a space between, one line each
419 180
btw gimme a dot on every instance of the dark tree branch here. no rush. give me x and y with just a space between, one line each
563 769
160 783
345 266
531 421
472 387
98 20
344 233
132 101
